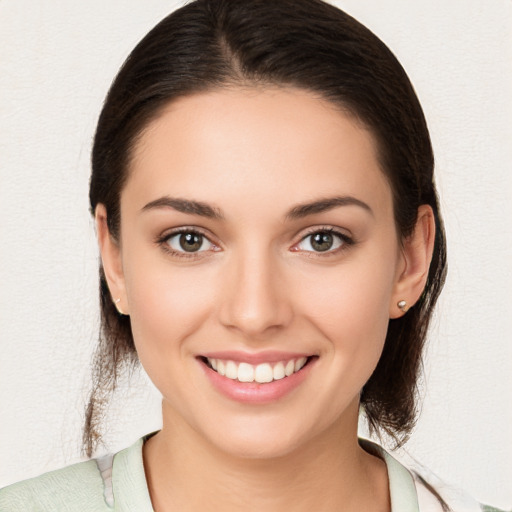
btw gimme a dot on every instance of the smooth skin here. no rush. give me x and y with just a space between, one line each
256 281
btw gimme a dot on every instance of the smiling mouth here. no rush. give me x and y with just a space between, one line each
261 373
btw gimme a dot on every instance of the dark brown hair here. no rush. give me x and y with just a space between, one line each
307 44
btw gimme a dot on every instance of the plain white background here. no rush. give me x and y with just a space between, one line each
57 59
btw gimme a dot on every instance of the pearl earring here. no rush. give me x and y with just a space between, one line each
116 303
402 305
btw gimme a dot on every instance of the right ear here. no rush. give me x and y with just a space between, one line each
110 251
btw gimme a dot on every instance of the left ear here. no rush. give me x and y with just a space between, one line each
412 271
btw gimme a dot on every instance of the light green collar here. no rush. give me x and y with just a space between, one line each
129 483
402 489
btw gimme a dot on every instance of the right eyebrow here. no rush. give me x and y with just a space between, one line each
185 206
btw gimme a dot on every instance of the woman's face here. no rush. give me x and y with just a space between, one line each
257 237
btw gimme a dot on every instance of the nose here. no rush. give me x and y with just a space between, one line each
254 300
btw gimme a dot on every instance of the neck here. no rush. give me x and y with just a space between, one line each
331 472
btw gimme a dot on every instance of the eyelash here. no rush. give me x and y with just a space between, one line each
346 242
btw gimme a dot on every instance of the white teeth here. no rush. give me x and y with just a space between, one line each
231 370
261 373
245 372
278 371
300 363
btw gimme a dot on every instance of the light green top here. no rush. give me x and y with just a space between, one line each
81 488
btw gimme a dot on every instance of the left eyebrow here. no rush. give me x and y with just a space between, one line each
322 205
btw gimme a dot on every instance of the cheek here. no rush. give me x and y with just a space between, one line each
166 307
166 304
349 305
352 299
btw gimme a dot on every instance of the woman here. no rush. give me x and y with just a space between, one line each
272 250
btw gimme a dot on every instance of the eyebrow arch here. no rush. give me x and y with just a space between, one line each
323 205
185 206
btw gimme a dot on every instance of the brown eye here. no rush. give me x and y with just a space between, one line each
323 241
189 241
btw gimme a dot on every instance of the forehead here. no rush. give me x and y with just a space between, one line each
255 142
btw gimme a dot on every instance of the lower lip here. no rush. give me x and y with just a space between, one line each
254 392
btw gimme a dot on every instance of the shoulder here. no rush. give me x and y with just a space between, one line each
415 488
100 485
77 487
432 498
433 492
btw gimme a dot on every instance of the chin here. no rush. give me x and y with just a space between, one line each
258 440
258 448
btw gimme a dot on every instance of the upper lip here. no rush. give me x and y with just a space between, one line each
268 356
